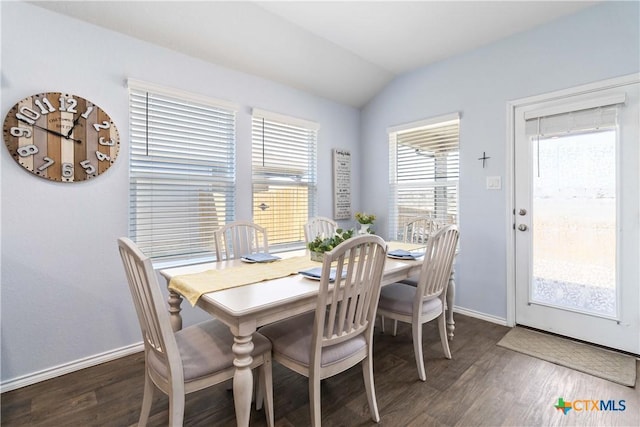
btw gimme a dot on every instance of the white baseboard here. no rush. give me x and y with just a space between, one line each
67 368
478 315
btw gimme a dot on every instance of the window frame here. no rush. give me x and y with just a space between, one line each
292 131
172 178
445 174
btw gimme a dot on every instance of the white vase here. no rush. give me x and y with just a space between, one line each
364 229
317 256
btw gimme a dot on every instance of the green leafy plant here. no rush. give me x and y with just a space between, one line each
325 244
365 218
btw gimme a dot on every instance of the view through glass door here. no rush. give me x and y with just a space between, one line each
576 216
574 222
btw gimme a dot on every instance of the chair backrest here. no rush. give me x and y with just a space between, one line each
347 306
148 300
317 226
240 238
418 230
437 264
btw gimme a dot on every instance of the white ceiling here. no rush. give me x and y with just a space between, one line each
346 51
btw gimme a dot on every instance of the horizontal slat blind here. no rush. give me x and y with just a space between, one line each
284 176
423 174
574 122
182 173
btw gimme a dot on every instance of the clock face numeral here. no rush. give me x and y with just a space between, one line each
44 106
67 170
55 135
104 125
86 113
27 150
27 115
20 132
88 167
109 143
68 104
48 161
102 157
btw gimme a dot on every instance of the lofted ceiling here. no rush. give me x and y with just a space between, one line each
346 51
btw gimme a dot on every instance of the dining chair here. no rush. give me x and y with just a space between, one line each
194 358
418 229
426 301
415 230
238 238
319 225
339 333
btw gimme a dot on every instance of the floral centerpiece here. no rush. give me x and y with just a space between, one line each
322 244
365 220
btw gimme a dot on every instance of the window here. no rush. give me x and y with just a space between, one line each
284 175
574 204
182 171
423 172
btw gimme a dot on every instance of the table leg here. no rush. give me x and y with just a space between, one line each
242 378
175 299
451 293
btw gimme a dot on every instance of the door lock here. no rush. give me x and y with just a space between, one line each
522 212
522 227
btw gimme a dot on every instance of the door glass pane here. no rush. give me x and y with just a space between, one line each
574 222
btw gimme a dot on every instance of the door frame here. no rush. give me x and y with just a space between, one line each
510 169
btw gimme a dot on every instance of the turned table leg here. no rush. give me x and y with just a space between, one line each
451 293
175 299
242 379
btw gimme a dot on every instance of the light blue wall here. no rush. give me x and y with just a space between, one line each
598 43
64 294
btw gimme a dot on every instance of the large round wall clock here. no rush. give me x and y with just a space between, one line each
61 137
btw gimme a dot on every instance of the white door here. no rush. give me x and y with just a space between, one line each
576 216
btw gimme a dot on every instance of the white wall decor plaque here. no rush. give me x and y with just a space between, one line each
341 184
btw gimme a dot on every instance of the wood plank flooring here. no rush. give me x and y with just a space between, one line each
483 385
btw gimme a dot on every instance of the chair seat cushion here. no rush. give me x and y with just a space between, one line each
398 298
291 338
206 348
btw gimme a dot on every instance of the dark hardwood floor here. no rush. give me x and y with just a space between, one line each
483 385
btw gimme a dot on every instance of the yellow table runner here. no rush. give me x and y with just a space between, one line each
193 286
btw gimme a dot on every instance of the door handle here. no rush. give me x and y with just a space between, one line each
522 227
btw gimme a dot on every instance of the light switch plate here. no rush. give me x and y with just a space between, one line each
494 183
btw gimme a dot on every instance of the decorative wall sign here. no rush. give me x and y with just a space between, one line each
341 184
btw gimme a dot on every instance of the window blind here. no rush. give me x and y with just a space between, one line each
424 169
573 122
284 175
182 172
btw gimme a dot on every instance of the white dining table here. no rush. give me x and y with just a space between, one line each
246 308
